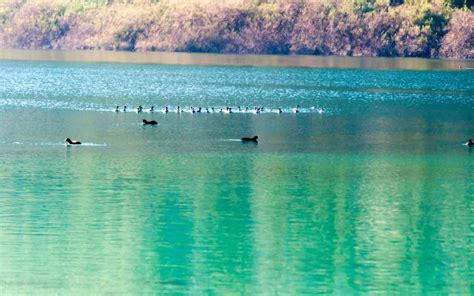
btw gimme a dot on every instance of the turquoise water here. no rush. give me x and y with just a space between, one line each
372 194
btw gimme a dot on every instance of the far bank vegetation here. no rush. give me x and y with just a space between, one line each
408 28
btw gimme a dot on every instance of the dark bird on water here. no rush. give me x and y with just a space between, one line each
71 142
253 139
151 122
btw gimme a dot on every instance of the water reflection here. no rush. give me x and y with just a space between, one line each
177 58
272 223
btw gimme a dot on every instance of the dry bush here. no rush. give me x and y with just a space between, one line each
385 31
191 28
35 25
270 29
116 27
458 43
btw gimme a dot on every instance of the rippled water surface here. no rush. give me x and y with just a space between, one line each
367 189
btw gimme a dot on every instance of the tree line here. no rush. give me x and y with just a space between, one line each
405 28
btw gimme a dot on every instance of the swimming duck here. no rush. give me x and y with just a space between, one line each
151 122
71 142
253 139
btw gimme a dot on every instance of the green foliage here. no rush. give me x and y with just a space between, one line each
460 3
3 13
396 2
363 6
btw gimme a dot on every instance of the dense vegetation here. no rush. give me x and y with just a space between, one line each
415 28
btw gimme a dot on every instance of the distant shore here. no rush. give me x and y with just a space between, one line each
440 29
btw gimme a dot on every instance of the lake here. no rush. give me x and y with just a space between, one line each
368 189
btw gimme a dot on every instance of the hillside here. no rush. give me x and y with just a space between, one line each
412 28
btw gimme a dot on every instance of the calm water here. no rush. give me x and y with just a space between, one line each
374 193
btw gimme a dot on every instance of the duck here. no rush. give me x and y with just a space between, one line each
253 139
68 142
151 122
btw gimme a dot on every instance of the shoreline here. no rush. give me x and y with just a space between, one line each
236 60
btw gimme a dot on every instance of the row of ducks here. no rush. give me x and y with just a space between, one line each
254 139
70 142
226 110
